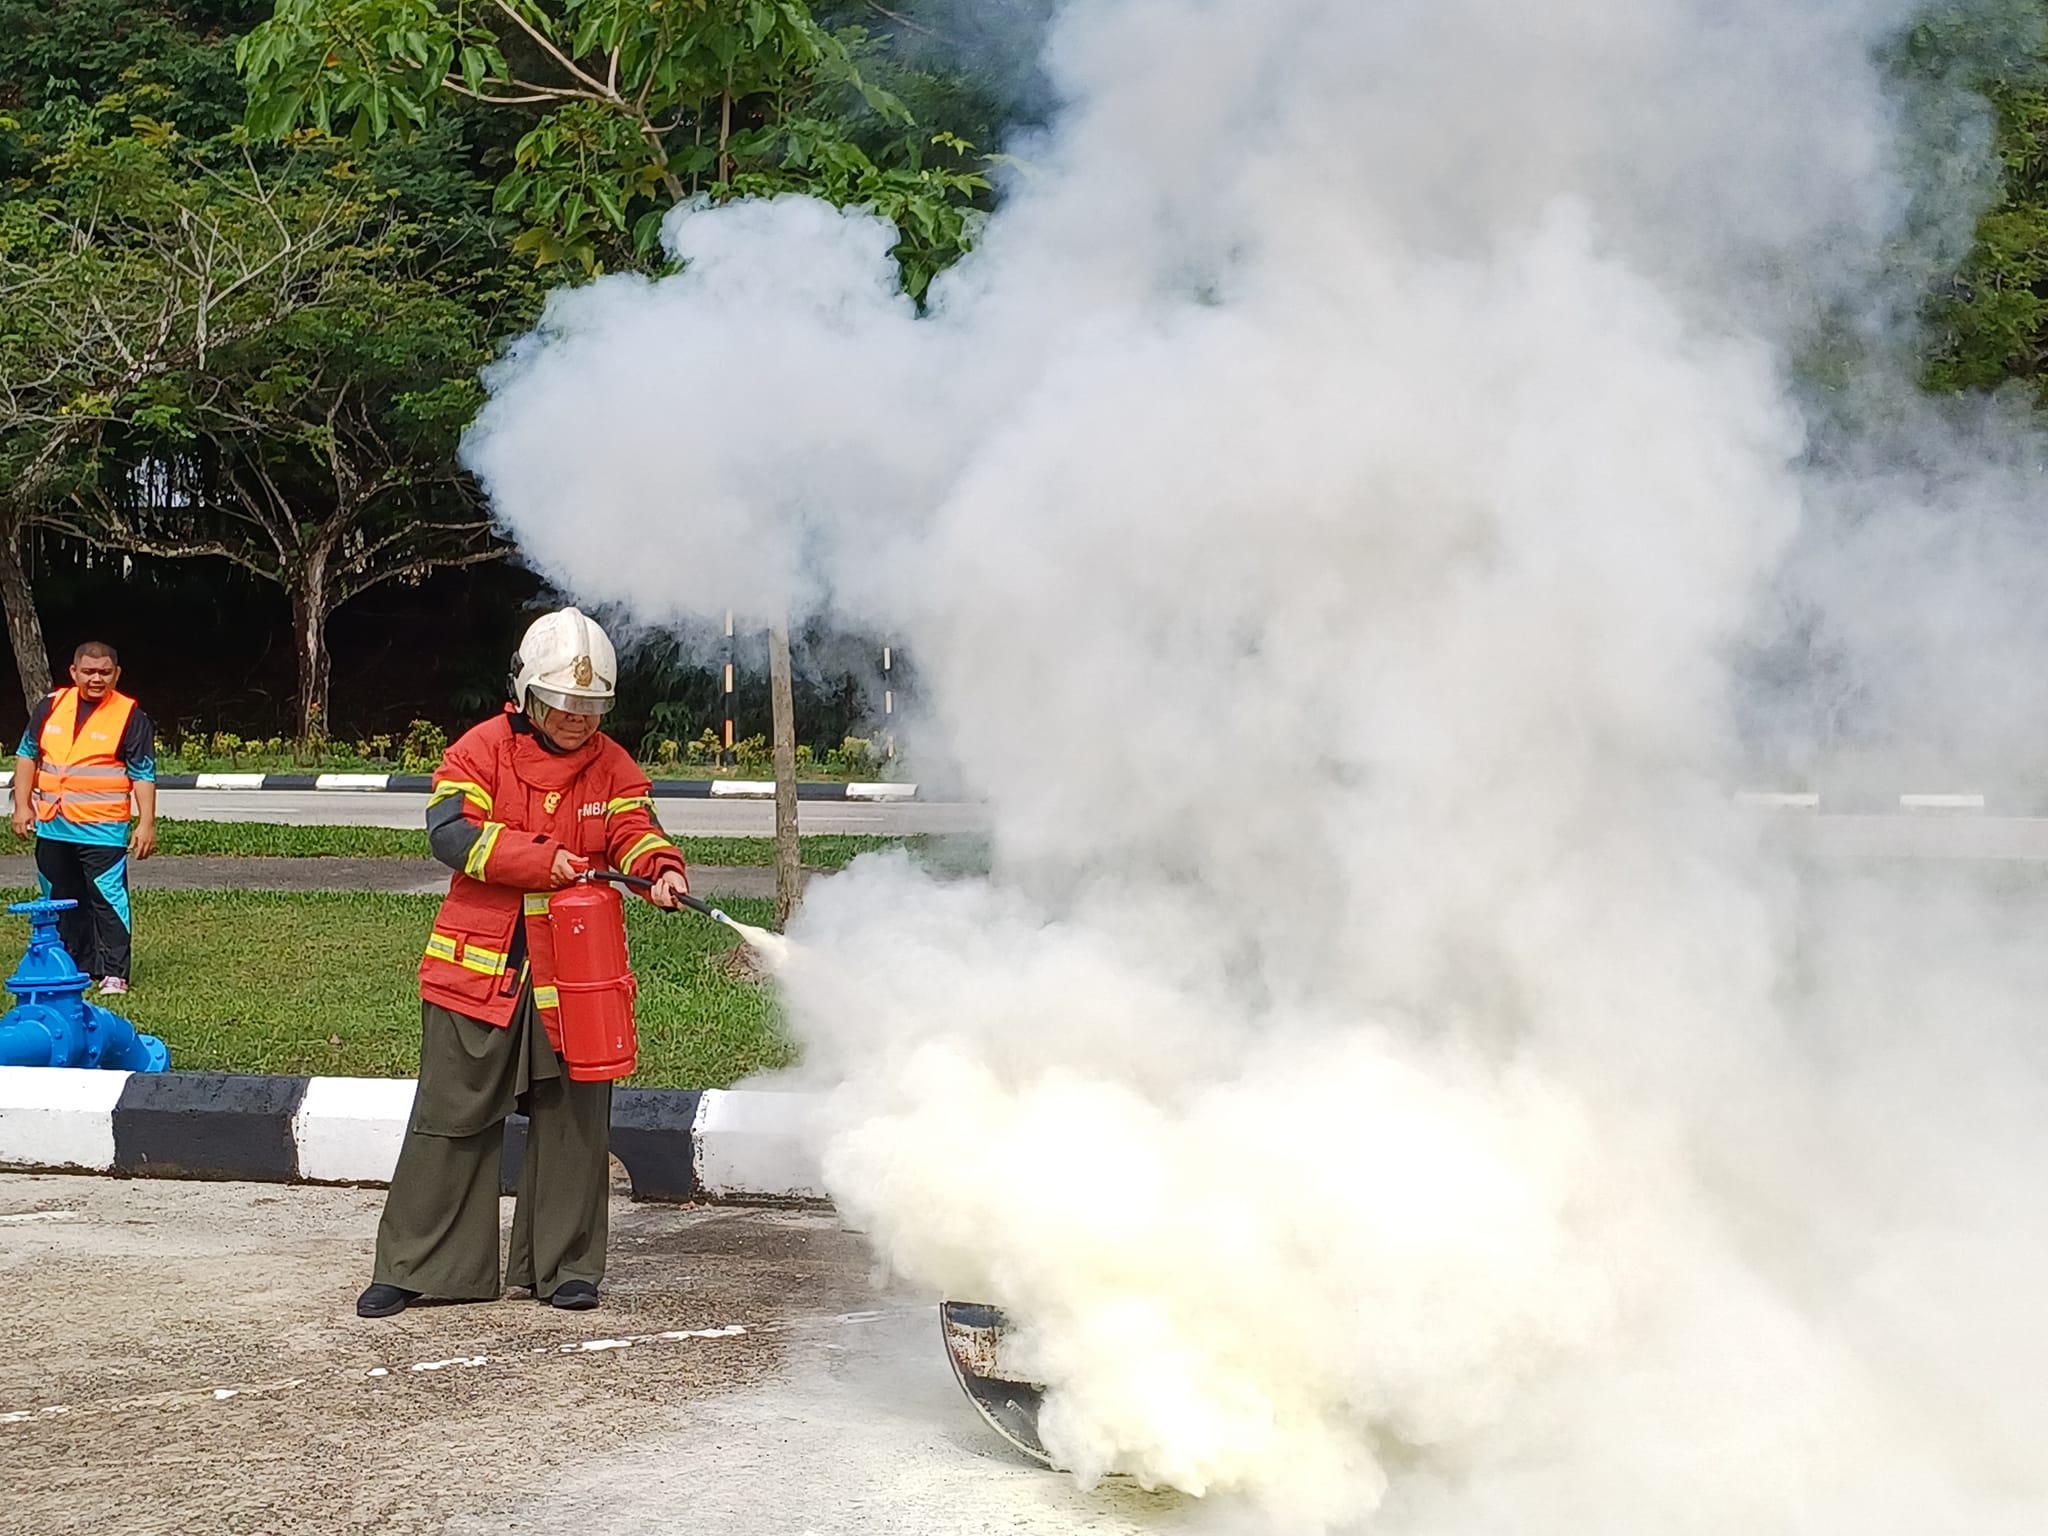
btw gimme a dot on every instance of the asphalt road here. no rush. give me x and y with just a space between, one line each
683 818
1918 835
186 1359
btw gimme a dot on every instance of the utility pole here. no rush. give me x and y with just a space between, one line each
725 752
888 709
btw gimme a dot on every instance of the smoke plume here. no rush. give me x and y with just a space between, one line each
1337 509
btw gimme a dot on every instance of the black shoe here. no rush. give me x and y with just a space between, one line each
384 1301
572 1296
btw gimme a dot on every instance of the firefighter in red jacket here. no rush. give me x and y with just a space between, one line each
521 805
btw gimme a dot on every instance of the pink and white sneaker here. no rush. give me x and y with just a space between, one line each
114 986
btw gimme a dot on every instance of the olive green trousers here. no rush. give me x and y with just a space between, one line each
439 1233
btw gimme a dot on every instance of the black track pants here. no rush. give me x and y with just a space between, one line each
95 875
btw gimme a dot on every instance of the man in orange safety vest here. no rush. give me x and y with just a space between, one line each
84 771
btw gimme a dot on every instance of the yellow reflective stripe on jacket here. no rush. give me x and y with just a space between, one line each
471 957
448 789
480 850
546 997
641 849
629 803
535 904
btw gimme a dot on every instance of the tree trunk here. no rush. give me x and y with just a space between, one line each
782 726
24 628
310 608
725 130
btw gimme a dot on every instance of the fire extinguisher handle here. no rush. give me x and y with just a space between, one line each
642 883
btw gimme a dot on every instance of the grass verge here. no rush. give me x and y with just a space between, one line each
243 981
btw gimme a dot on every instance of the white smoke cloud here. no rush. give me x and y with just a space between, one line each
1384 1078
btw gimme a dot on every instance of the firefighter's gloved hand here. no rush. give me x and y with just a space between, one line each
669 890
566 868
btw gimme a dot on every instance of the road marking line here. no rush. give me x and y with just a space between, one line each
177 1398
25 1217
188 1397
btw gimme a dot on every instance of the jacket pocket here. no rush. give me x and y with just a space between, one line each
472 964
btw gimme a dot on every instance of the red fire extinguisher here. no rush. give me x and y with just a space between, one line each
595 980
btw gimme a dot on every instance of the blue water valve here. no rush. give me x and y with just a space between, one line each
51 1023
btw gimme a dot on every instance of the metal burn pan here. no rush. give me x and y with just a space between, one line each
974 1335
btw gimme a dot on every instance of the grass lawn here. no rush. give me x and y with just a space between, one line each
264 839
244 981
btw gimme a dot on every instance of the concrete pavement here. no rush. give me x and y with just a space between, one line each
401 877
682 818
193 1364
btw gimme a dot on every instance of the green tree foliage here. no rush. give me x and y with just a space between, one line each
1988 321
633 105
129 264
319 455
208 347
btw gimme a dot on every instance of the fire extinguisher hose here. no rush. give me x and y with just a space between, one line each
773 945
641 883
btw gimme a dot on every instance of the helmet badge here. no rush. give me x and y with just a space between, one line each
584 672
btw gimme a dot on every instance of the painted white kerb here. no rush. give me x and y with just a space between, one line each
759 1145
352 781
881 791
58 1117
229 781
1775 800
349 1129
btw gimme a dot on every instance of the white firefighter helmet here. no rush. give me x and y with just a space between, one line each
566 663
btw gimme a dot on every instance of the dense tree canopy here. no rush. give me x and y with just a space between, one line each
631 106
252 255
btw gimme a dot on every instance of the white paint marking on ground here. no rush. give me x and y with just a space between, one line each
25 1217
352 781
730 1331
185 1397
197 1396
743 789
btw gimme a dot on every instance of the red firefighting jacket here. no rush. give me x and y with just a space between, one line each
502 805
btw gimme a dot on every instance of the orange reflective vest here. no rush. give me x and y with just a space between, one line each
81 776
491 936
